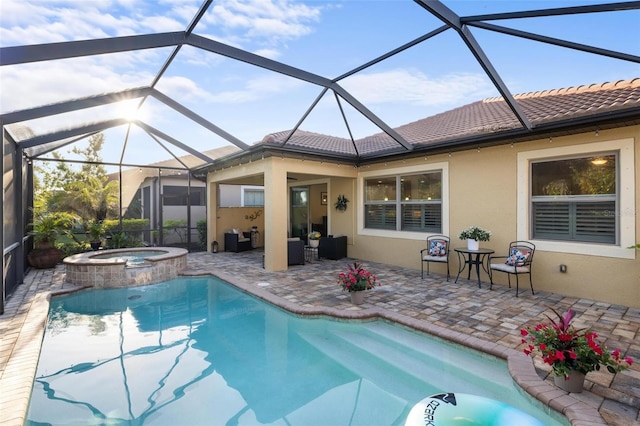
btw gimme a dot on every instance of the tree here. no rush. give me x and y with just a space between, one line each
86 191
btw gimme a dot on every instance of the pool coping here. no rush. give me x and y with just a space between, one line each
19 373
520 366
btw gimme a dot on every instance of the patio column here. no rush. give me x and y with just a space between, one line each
275 216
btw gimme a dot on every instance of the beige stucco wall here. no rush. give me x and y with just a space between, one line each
482 191
480 187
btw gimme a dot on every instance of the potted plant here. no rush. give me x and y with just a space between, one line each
314 238
341 203
571 353
96 231
356 280
473 235
45 230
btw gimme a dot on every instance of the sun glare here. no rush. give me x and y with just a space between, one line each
130 111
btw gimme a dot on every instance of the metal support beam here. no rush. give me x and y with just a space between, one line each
253 59
447 16
172 141
393 52
608 7
371 116
198 119
39 150
558 42
73 105
70 133
74 49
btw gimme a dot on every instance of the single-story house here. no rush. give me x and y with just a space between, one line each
561 172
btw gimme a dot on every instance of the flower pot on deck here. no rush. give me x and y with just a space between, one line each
574 383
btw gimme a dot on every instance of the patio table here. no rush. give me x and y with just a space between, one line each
471 258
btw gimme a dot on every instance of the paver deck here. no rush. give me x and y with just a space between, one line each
485 319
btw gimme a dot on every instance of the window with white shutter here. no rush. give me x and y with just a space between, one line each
575 199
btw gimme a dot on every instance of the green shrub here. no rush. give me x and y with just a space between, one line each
201 225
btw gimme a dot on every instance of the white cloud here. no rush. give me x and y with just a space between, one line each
416 88
277 20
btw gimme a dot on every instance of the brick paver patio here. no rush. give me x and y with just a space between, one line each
486 319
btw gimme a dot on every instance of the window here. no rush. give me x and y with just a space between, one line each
589 213
404 202
177 195
575 199
253 196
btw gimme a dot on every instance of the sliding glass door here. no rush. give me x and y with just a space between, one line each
300 212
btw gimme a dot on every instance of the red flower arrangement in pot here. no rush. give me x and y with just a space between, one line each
571 352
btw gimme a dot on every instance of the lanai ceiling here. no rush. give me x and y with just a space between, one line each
165 79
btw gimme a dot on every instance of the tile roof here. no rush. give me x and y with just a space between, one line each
489 116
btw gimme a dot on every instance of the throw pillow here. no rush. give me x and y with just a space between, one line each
438 248
517 257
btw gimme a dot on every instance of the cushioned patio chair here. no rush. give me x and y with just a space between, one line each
237 241
518 262
295 251
437 251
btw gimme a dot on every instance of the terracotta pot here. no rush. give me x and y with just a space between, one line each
574 383
44 258
357 297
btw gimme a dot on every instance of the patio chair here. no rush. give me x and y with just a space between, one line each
295 251
437 251
518 262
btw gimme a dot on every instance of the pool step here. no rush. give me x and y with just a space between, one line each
419 361
431 348
365 366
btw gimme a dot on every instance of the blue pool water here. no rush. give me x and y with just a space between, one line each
133 258
197 351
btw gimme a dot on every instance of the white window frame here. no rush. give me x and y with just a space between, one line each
626 187
396 171
244 188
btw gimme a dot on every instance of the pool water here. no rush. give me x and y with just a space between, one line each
197 351
133 258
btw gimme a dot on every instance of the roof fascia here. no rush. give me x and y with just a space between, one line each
198 119
152 130
627 117
447 16
558 42
72 49
70 133
609 7
73 105
602 121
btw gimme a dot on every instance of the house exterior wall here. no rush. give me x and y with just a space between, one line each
484 187
487 187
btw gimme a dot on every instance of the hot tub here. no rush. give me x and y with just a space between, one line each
125 267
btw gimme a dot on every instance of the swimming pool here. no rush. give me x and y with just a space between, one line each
199 351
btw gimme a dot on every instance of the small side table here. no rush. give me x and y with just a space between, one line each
471 258
310 254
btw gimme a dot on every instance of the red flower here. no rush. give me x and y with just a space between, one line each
564 337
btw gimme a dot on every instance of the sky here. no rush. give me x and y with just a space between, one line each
328 38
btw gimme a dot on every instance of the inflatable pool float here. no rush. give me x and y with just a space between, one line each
457 409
